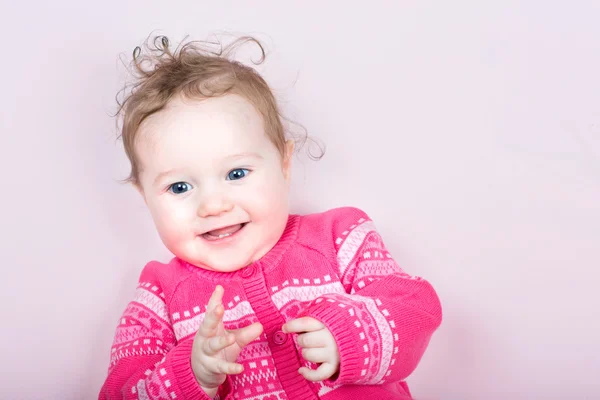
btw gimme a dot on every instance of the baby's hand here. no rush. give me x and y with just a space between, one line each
318 346
215 350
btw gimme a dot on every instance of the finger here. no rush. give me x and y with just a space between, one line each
215 298
245 335
210 323
219 366
320 338
304 324
317 355
324 371
216 344
230 368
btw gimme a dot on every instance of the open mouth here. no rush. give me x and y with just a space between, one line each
222 233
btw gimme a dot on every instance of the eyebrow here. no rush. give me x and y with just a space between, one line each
232 157
244 155
163 174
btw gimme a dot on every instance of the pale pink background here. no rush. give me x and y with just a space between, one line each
470 132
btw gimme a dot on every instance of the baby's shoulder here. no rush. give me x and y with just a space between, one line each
164 276
331 226
336 218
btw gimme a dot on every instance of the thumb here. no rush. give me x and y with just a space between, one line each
245 335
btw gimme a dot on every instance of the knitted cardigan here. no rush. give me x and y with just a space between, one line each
331 266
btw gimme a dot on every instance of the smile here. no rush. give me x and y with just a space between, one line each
222 233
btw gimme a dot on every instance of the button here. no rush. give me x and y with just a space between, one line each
279 338
248 272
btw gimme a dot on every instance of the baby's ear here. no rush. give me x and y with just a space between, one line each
287 159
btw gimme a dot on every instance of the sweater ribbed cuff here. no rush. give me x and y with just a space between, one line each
182 368
346 339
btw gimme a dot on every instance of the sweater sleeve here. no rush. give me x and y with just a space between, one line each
147 362
384 321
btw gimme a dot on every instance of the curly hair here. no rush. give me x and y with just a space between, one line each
195 72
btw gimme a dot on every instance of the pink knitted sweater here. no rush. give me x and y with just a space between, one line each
332 266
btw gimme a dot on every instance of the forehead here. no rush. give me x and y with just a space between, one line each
193 130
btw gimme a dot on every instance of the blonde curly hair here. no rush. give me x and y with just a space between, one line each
196 72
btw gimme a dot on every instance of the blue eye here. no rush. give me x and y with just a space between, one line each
236 174
180 187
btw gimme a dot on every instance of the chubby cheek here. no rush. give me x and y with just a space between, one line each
173 222
271 198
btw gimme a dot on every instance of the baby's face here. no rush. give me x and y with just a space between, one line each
215 184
